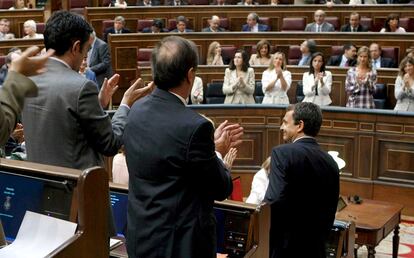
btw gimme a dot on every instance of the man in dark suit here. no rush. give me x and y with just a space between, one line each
303 187
99 60
148 3
214 23
378 61
181 25
347 59
156 27
319 25
176 173
253 24
354 24
118 28
175 2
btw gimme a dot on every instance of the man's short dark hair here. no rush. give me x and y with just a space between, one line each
158 23
181 19
348 46
171 60
63 29
310 114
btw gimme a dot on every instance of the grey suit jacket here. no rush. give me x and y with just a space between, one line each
100 61
65 124
12 94
326 27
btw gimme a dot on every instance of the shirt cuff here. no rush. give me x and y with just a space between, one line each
125 105
219 155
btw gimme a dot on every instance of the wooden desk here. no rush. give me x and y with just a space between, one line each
374 221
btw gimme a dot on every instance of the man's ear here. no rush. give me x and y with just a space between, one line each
191 75
76 47
301 126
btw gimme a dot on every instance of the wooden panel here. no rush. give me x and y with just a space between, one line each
5 45
362 189
397 160
396 194
365 156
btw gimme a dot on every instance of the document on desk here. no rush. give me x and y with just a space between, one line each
38 236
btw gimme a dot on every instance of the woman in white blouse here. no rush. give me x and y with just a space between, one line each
276 81
317 82
259 184
404 86
197 91
239 81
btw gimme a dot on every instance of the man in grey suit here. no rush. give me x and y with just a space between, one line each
65 124
99 60
17 86
319 25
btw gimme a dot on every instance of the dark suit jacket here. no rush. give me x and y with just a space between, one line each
387 62
186 30
100 61
153 3
336 61
174 177
111 30
171 2
208 29
303 193
347 28
262 27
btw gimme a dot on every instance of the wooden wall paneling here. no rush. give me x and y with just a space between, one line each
5 45
362 188
396 194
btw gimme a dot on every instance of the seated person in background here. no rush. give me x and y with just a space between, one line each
19 5
15 143
181 25
175 2
5 30
276 80
247 3
317 82
197 91
377 60
319 25
253 24
392 24
274 2
214 23
148 3
157 27
346 59
404 86
99 60
29 28
239 81
118 28
354 24
119 168
358 2
121 3
259 184
87 73
14 53
308 47
262 56
214 54
361 81
218 2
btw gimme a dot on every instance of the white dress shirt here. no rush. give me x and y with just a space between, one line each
276 95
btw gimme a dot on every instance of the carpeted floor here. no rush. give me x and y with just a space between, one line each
384 249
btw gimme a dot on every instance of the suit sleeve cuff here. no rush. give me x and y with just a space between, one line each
219 155
125 105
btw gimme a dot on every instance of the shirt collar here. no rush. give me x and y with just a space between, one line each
60 61
179 97
303 137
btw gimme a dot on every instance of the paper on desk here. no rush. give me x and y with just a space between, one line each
38 236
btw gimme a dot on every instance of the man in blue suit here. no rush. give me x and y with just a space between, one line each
181 26
176 173
253 24
303 179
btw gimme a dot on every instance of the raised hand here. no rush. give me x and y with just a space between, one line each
137 91
108 89
29 64
229 158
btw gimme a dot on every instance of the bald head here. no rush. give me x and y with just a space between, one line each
171 61
319 16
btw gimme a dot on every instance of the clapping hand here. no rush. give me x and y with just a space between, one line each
229 158
137 91
108 89
227 136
